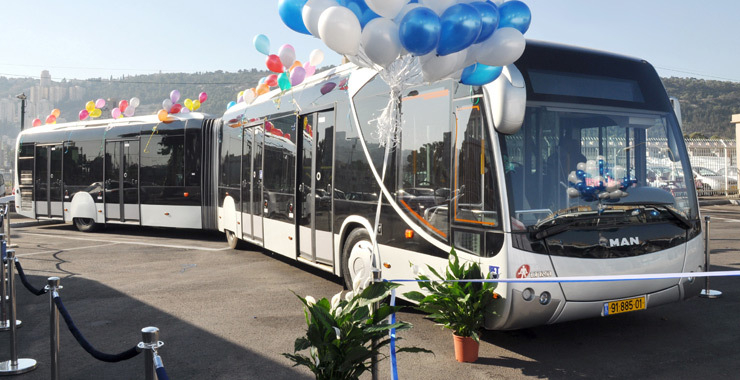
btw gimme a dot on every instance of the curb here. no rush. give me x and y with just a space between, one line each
719 202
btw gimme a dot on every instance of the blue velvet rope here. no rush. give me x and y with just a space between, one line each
128 354
394 364
24 280
162 374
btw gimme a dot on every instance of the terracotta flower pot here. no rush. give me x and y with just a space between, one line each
466 348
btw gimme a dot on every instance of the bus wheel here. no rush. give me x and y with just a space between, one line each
86 224
357 257
234 242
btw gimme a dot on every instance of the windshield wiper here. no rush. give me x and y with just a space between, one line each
684 221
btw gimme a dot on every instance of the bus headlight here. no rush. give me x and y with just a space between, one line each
545 298
528 294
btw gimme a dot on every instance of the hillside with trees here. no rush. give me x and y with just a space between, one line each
707 106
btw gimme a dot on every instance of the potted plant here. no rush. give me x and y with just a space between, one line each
344 334
457 305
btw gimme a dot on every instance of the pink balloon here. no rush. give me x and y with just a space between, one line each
122 105
327 88
116 113
174 96
100 103
129 111
37 122
83 115
203 97
297 76
310 70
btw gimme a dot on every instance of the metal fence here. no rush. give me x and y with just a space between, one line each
715 166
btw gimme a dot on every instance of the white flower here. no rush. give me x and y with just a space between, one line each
310 301
367 282
349 295
335 300
338 311
338 332
415 269
357 283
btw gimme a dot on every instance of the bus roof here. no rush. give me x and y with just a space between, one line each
113 123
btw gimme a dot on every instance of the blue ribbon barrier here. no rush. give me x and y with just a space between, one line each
394 365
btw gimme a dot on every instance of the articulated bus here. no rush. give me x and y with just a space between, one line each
546 172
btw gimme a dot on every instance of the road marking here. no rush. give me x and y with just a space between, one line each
134 243
725 219
62 250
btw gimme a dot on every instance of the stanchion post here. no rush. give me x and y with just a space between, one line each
4 297
149 344
6 225
707 292
14 366
52 287
374 360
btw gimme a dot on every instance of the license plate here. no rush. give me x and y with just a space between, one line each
623 306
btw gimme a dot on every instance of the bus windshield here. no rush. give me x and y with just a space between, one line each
576 162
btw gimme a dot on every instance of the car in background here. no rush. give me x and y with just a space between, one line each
713 181
732 172
2 185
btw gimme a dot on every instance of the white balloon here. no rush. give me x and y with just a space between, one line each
406 8
438 6
380 41
312 11
248 96
134 102
386 8
573 193
504 47
167 104
316 57
340 30
435 67
287 55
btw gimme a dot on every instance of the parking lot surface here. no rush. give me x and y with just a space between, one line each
226 314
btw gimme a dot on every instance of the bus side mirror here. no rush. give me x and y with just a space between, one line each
508 96
677 110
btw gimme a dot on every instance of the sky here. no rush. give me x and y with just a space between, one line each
87 39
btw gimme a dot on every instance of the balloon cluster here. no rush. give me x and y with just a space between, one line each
125 108
592 182
51 119
92 109
170 106
468 40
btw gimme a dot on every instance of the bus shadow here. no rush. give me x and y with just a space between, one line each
112 322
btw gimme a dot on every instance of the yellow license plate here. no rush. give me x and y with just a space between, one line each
623 306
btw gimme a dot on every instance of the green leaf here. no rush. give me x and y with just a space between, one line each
301 344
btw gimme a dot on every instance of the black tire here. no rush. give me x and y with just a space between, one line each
86 224
357 238
233 241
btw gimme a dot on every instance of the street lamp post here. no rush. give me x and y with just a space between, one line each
23 98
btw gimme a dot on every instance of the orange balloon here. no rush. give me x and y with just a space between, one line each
262 89
296 64
55 112
162 115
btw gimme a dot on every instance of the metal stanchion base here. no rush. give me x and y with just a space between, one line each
710 293
13 246
5 325
23 366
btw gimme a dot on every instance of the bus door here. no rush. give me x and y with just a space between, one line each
315 187
246 184
257 197
49 188
121 185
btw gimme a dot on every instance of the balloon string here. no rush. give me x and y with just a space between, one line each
154 130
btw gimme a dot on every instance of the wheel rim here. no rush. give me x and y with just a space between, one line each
359 263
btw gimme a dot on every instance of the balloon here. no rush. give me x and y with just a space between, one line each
327 87
340 30
316 57
231 104
122 105
174 96
435 67
100 103
284 82
249 95
438 6
130 110
381 42
176 108
291 13
184 110
406 8
262 80
115 113
51 119
134 102
202 97
90 106
262 44
162 115
297 76
37 122
480 74
310 70
295 64
83 115
504 47
262 89
461 25
287 55
515 14
311 13
361 10
386 8
271 80
419 31
96 113
55 112
196 104
188 103
167 104
273 63
489 16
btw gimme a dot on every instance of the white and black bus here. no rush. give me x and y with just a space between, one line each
572 163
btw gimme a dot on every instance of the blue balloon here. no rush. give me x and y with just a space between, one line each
515 14
461 25
291 12
419 31
262 44
231 104
479 74
580 186
580 174
360 9
489 19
